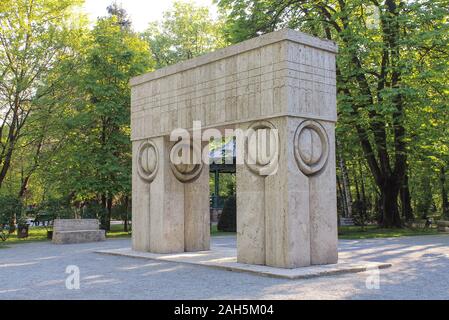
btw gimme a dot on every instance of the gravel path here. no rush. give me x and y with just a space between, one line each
37 271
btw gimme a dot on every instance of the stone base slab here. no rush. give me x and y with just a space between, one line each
226 258
79 236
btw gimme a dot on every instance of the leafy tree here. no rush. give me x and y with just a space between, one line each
95 162
10 210
380 44
34 36
228 218
122 16
185 32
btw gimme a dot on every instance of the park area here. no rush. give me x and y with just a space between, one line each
39 234
224 149
38 271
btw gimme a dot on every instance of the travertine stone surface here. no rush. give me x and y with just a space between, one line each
285 79
197 213
224 258
273 211
140 205
166 205
70 237
67 231
323 208
251 223
288 219
281 73
75 224
169 215
286 202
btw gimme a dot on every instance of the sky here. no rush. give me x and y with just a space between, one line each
140 11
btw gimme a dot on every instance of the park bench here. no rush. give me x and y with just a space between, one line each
66 231
420 223
443 226
42 219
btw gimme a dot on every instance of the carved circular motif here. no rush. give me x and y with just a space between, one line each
311 147
185 171
147 161
262 148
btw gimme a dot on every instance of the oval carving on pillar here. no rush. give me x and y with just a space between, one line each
147 161
311 147
262 148
183 166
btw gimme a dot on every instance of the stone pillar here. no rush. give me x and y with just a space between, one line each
141 201
170 202
250 215
197 209
323 196
286 207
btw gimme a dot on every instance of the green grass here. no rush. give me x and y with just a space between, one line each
370 232
350 233
355 232
40 234
215 232
117 232
34 234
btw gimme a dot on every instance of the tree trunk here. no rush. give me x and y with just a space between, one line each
26 179
358 204
109 208
389 203
444 197
345 182
104 207
357 189
12 224
407 211
341 198
125 224
362 185
6 165
24 186
346 187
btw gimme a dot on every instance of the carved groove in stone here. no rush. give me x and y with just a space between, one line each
190 171
262 148
311 147
147 161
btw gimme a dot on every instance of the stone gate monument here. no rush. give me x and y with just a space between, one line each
286 216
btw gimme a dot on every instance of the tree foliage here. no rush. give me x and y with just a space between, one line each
185 32
96 159
392 67
34 37
65 97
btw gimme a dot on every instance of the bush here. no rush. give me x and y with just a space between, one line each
228 219
10 207
94 210
10 210
52 209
